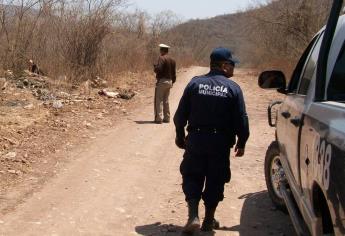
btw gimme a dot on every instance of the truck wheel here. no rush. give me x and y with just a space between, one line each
274 172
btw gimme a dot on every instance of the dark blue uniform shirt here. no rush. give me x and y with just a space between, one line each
213 102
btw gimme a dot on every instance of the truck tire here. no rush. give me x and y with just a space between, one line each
272 165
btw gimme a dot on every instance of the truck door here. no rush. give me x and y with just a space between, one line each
293 108
322 143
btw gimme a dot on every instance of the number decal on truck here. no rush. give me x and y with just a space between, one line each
322 161
326 169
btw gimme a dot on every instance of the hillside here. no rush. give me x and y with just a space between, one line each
203 35
270 35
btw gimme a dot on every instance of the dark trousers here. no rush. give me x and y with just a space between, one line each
206 167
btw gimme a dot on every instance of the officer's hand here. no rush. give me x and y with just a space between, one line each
180 143
239 152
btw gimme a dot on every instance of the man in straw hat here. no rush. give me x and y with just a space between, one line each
165 70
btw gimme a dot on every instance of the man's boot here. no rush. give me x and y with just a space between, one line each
209 222
193 223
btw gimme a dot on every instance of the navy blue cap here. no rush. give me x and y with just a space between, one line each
222 54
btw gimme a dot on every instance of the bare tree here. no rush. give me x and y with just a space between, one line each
278 32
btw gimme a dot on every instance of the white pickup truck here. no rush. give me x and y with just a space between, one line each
305 165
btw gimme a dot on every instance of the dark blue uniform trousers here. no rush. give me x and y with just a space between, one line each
206 167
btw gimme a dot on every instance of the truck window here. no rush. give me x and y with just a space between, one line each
336 86
310 68
292 88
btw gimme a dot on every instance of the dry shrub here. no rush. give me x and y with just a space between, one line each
269 35
78 40
283 29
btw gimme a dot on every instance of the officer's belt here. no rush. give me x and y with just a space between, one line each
212 130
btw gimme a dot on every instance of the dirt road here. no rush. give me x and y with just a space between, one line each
127 181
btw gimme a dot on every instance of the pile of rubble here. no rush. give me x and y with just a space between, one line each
46 90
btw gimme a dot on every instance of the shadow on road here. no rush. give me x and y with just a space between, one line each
144 122
158 229
259 217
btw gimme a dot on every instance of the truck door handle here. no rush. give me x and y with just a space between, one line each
296 121
286 114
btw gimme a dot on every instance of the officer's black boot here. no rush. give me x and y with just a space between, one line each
209 222
193 223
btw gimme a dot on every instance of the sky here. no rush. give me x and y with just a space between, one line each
192 9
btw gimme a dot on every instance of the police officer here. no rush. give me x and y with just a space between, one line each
165 70
213 108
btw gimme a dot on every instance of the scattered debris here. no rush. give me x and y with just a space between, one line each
57 104
99 116
29 106
9 74
3 83
10 156
104 92
12 171
11 141
98 83
42 116
87 124
126 94
31 82
63 95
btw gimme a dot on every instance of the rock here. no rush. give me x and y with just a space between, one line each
9 74
57 104
10 156
12 171
43 94
11 141
120 209
99 116
87 124
29 106
127 94
20 86
64 95
98 83
26 82
3 83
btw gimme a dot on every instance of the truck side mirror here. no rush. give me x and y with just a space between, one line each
272 80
